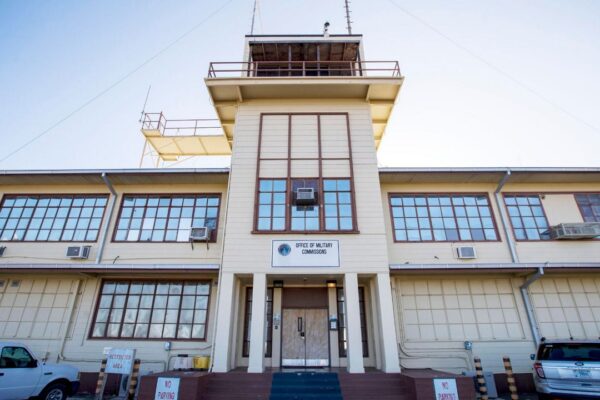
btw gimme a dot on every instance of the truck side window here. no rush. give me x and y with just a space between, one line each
15 357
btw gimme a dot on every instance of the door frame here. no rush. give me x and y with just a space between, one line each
328 339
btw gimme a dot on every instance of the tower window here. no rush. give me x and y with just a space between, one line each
305 217
338 205
271 204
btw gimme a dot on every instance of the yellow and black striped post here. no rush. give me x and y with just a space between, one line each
480 379
133 379
101 380
510 379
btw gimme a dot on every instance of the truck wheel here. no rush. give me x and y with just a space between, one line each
54 391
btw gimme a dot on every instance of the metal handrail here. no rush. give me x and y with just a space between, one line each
181 127
269 69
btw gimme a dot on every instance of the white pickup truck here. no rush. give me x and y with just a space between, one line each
22 376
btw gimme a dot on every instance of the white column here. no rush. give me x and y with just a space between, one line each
389 341
257 325
222 338
355 354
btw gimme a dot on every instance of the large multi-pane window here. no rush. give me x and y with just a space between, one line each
527 217
589 204
152 310
155 218
305 218
271 204
53 218
268 323
342 327
338 205
442 217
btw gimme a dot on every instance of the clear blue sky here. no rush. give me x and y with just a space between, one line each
454 109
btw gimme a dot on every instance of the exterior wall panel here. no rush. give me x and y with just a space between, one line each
38 312
437 314
567 306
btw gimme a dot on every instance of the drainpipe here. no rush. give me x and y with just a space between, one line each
528 307
111 209
63 340
503 217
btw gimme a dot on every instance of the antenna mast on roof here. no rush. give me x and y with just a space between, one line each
348 22
253 16
145 102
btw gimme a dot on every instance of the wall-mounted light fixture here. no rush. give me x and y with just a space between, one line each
278 284
332 284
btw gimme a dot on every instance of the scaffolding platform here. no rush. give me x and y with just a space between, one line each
171 140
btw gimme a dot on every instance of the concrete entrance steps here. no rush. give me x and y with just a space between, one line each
415 384
375 385
237 386
305 386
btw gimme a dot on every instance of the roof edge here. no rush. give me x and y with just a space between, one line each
392 170
125 171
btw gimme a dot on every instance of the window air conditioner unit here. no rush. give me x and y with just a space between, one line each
200 234
78 252
466 252
573 231
305 196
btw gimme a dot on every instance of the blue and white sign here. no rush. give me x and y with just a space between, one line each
119 361
305 253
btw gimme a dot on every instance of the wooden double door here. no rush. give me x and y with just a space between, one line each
305 338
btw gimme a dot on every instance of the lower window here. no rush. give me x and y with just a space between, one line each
152 310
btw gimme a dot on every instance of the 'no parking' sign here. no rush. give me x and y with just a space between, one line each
167 389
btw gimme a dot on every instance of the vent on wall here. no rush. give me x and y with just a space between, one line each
466 252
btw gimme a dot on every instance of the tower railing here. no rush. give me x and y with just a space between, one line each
181 127
269 69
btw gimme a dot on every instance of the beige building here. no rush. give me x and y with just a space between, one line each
303 253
